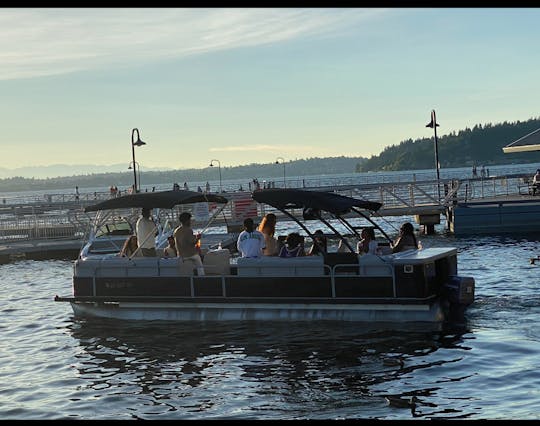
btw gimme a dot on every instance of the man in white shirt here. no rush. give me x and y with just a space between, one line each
250 241
146 231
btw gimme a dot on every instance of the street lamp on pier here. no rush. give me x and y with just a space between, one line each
138 171
433 124
282 162
135 143
219 167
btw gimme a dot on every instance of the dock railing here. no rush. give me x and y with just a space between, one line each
61 216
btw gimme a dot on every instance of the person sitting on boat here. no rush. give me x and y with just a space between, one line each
342 246
268 229
186 242
146 231
129 249
293 246
367 244
406 239
536 182
319 247
170 250
250 242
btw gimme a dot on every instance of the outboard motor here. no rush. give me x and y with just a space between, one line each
459 291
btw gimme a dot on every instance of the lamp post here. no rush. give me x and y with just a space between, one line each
219 167
433 124
134 143
282 162
138 171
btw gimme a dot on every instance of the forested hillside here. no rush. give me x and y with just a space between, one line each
481 145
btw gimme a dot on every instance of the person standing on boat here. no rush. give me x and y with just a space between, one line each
250 242
406 239
146 231
268 229
186 242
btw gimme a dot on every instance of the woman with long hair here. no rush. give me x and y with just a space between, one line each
268 229
367 244
406 239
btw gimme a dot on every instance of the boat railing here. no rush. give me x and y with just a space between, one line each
62 216
114 266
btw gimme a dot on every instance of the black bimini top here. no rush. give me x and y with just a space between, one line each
161 199
318 200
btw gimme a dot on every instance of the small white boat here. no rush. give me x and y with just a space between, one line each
410 286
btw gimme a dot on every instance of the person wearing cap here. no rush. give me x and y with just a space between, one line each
186 242
146 231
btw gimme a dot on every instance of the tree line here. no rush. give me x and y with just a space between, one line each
481 145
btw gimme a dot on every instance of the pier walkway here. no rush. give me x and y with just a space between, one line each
57 222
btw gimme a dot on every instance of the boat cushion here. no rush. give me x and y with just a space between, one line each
277 266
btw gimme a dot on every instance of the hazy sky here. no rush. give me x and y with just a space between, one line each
245 85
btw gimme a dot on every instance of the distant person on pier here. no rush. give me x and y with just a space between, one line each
207 186
536 182
146 232
268 229
406 239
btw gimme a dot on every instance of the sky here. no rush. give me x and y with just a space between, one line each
254 85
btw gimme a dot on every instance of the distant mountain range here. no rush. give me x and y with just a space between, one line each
58 170
98 176
481 145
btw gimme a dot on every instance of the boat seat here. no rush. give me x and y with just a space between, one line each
281 267
373 265
143 267
111 266
170 266
217 262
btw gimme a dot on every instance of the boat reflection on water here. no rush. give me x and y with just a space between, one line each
266 370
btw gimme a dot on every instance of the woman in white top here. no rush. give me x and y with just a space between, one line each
170 250
367 244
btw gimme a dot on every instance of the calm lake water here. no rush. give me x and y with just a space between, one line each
485 366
